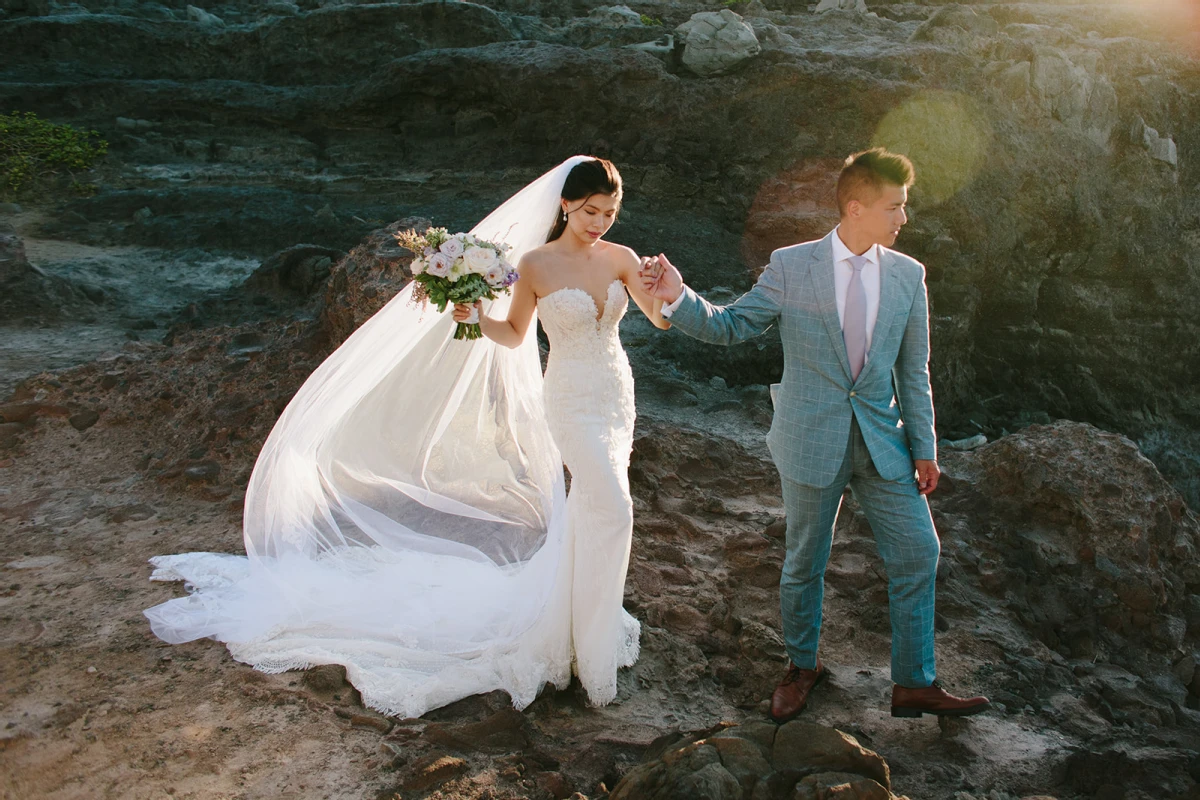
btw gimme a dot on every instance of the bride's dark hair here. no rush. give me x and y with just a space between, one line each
585 179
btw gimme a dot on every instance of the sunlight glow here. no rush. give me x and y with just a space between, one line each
1176 20
946 135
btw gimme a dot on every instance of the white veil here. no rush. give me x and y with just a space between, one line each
406 514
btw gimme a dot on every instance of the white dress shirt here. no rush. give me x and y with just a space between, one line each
841 283
669 308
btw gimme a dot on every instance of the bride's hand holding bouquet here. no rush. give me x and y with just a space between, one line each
458 269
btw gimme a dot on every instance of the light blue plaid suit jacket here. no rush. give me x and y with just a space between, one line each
892 398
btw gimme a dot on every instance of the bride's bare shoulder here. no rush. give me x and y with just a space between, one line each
535 260
620 252
622 257
536 268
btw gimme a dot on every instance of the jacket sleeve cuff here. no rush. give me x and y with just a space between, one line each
924 452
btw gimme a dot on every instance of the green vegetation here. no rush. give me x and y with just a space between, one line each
34 151
647 20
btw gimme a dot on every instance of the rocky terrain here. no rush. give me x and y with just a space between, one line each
1067 593
260 153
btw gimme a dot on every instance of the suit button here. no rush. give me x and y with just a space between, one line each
854 394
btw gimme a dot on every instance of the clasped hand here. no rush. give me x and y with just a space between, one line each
660 279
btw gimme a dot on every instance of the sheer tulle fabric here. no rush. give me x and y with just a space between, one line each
407 514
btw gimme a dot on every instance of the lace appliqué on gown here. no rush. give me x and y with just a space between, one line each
590 409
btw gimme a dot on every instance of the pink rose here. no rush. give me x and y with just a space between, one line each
439 265
452 248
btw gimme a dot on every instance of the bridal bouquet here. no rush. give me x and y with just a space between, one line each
457 268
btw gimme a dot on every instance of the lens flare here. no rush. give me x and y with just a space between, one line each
1176 20
946 135
796 204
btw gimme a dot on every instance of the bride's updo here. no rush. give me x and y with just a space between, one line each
587 178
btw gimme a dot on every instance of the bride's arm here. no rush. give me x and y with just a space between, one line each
509 332
630 272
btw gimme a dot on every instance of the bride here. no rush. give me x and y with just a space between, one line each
407 516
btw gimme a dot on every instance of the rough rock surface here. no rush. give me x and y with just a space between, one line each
29 294
761 759
365 280
1054 211
1068 593
858 6
716 42
296 272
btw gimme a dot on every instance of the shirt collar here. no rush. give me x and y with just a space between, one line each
841 252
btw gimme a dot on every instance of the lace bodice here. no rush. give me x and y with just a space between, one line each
577 328
588 372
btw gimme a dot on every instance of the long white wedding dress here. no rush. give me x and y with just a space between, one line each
407 517
589 405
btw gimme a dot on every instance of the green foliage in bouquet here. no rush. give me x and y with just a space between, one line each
467 290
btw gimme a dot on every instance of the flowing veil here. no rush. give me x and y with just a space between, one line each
406 516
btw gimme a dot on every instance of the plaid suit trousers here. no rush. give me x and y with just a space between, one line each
907 542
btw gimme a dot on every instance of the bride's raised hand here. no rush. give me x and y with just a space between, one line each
661 279
463 311
649 270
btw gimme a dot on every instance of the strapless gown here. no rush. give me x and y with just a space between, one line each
419 627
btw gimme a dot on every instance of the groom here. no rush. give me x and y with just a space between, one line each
854 408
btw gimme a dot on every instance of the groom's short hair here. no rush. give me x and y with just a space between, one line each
864 174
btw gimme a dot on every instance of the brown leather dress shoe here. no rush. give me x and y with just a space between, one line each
791 695
934 700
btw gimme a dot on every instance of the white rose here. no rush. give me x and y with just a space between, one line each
479 259
452 248
439 266
417 266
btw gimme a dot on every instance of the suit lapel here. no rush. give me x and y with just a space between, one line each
887 309
821 272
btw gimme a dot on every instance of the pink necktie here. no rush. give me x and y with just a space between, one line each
854 320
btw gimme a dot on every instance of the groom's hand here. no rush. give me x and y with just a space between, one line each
927 476
661 280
